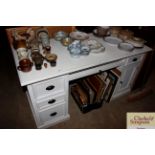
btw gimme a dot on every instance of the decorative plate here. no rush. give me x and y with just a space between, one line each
94 45
113 40
41 31
79 35
126 46
136 42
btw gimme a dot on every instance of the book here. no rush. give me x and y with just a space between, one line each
79 94
90 93
97 85
113 80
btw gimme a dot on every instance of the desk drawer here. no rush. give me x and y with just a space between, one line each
48 87
134 59
52 113
94 70
52 101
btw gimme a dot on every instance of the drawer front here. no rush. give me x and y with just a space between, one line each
87 72
52 113
53 100
134 59
48 87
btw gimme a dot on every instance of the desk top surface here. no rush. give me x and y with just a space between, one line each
67 64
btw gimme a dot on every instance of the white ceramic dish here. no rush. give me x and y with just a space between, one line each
113 40
79 35
98 50
136 43
93 44
126 46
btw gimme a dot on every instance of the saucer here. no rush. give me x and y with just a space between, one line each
79 35
126 46
113 40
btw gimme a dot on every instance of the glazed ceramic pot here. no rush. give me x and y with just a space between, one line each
101 31
21 44
51 58
85 50
38 60
45 40
22 53
114 31
34 46
25 65
75 48
66 41
125 34
60 35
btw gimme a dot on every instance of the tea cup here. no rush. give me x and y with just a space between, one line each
51 58
25 65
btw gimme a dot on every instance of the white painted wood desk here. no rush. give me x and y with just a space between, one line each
48 89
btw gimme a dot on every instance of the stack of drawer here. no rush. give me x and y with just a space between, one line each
49 101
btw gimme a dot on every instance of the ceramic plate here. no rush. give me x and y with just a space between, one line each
93 44
113 40
98 50
79 35
126 46
135 43
40 32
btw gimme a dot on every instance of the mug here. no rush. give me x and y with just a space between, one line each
25 65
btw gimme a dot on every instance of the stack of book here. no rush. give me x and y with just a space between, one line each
92 91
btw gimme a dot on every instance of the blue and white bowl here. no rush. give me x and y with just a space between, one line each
60 35
85 50
75 48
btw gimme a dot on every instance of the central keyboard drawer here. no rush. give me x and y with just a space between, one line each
46 88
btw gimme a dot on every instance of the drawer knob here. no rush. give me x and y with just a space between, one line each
51 101
135 59
121 82
50 87
53 114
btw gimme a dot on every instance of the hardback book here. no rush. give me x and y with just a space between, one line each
90 93
97 85
106 81
113 80
79 94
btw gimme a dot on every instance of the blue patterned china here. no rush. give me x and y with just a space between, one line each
85 49
60 35
75 48
77 35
